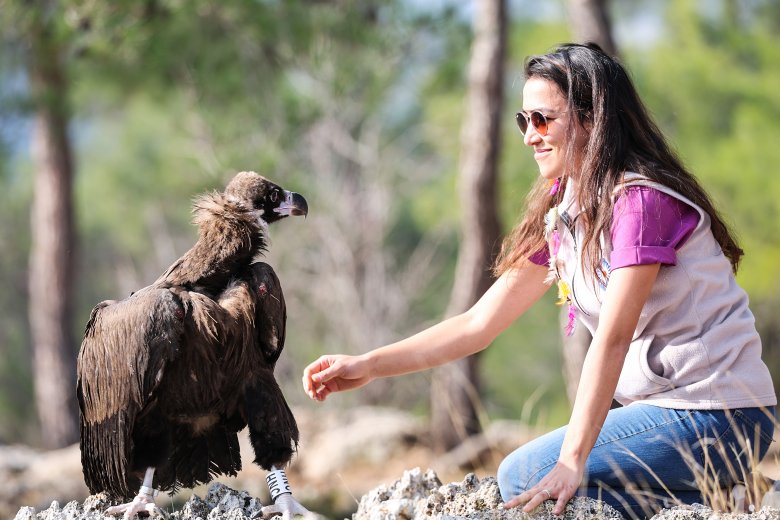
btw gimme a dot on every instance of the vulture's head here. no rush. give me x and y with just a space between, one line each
269 200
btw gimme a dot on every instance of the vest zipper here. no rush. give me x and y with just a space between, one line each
568 223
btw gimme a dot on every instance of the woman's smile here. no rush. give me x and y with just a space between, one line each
541 153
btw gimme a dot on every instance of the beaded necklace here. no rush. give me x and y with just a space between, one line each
553 237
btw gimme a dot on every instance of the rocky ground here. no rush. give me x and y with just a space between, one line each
348 466
415 496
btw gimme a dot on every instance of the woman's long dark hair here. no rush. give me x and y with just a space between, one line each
622 138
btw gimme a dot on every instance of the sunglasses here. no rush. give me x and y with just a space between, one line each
537 119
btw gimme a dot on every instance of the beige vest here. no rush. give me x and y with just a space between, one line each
695 345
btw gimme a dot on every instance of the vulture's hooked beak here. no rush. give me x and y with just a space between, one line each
293 204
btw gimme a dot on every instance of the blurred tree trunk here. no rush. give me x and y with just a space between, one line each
455 387
590 22
52 248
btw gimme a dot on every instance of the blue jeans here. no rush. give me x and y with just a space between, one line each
648 457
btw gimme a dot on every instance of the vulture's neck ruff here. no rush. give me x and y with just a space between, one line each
219 211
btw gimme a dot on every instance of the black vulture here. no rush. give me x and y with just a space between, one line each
170 374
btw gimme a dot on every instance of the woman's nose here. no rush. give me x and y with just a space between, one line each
531 136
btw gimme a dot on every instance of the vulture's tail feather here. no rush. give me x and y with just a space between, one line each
198 459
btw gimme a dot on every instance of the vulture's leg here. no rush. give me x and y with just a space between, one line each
281 496
143 502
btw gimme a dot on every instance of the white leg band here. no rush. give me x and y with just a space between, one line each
148 491
277 484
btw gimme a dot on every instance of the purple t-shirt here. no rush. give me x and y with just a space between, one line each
648 227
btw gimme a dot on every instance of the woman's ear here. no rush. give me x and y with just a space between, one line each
583 131
587 124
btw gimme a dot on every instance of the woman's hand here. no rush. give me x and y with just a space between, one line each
560 485
335 373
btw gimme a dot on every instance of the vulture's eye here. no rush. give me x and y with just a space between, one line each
274 196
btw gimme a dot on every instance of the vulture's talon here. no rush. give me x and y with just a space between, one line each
287 506
140 504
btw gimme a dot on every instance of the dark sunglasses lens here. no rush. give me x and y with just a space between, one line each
537 119
522 122
539 122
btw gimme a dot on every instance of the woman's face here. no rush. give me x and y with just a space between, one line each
541 95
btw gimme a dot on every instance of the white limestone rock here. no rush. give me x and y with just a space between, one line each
420 496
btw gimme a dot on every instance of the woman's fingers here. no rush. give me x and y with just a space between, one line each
531 498
334 373
518 500
534 497
315 374
560 505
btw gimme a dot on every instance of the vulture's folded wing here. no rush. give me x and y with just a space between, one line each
126 347
270 311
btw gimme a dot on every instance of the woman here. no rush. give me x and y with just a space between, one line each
647 265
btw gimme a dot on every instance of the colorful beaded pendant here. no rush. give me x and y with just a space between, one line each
554 244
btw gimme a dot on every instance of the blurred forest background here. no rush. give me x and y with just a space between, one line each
359 106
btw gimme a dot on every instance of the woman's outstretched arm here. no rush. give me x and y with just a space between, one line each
454 338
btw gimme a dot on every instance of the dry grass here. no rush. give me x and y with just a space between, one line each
727 475
741 466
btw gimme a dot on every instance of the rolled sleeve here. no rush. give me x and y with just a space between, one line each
648 227
640 255
541 257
